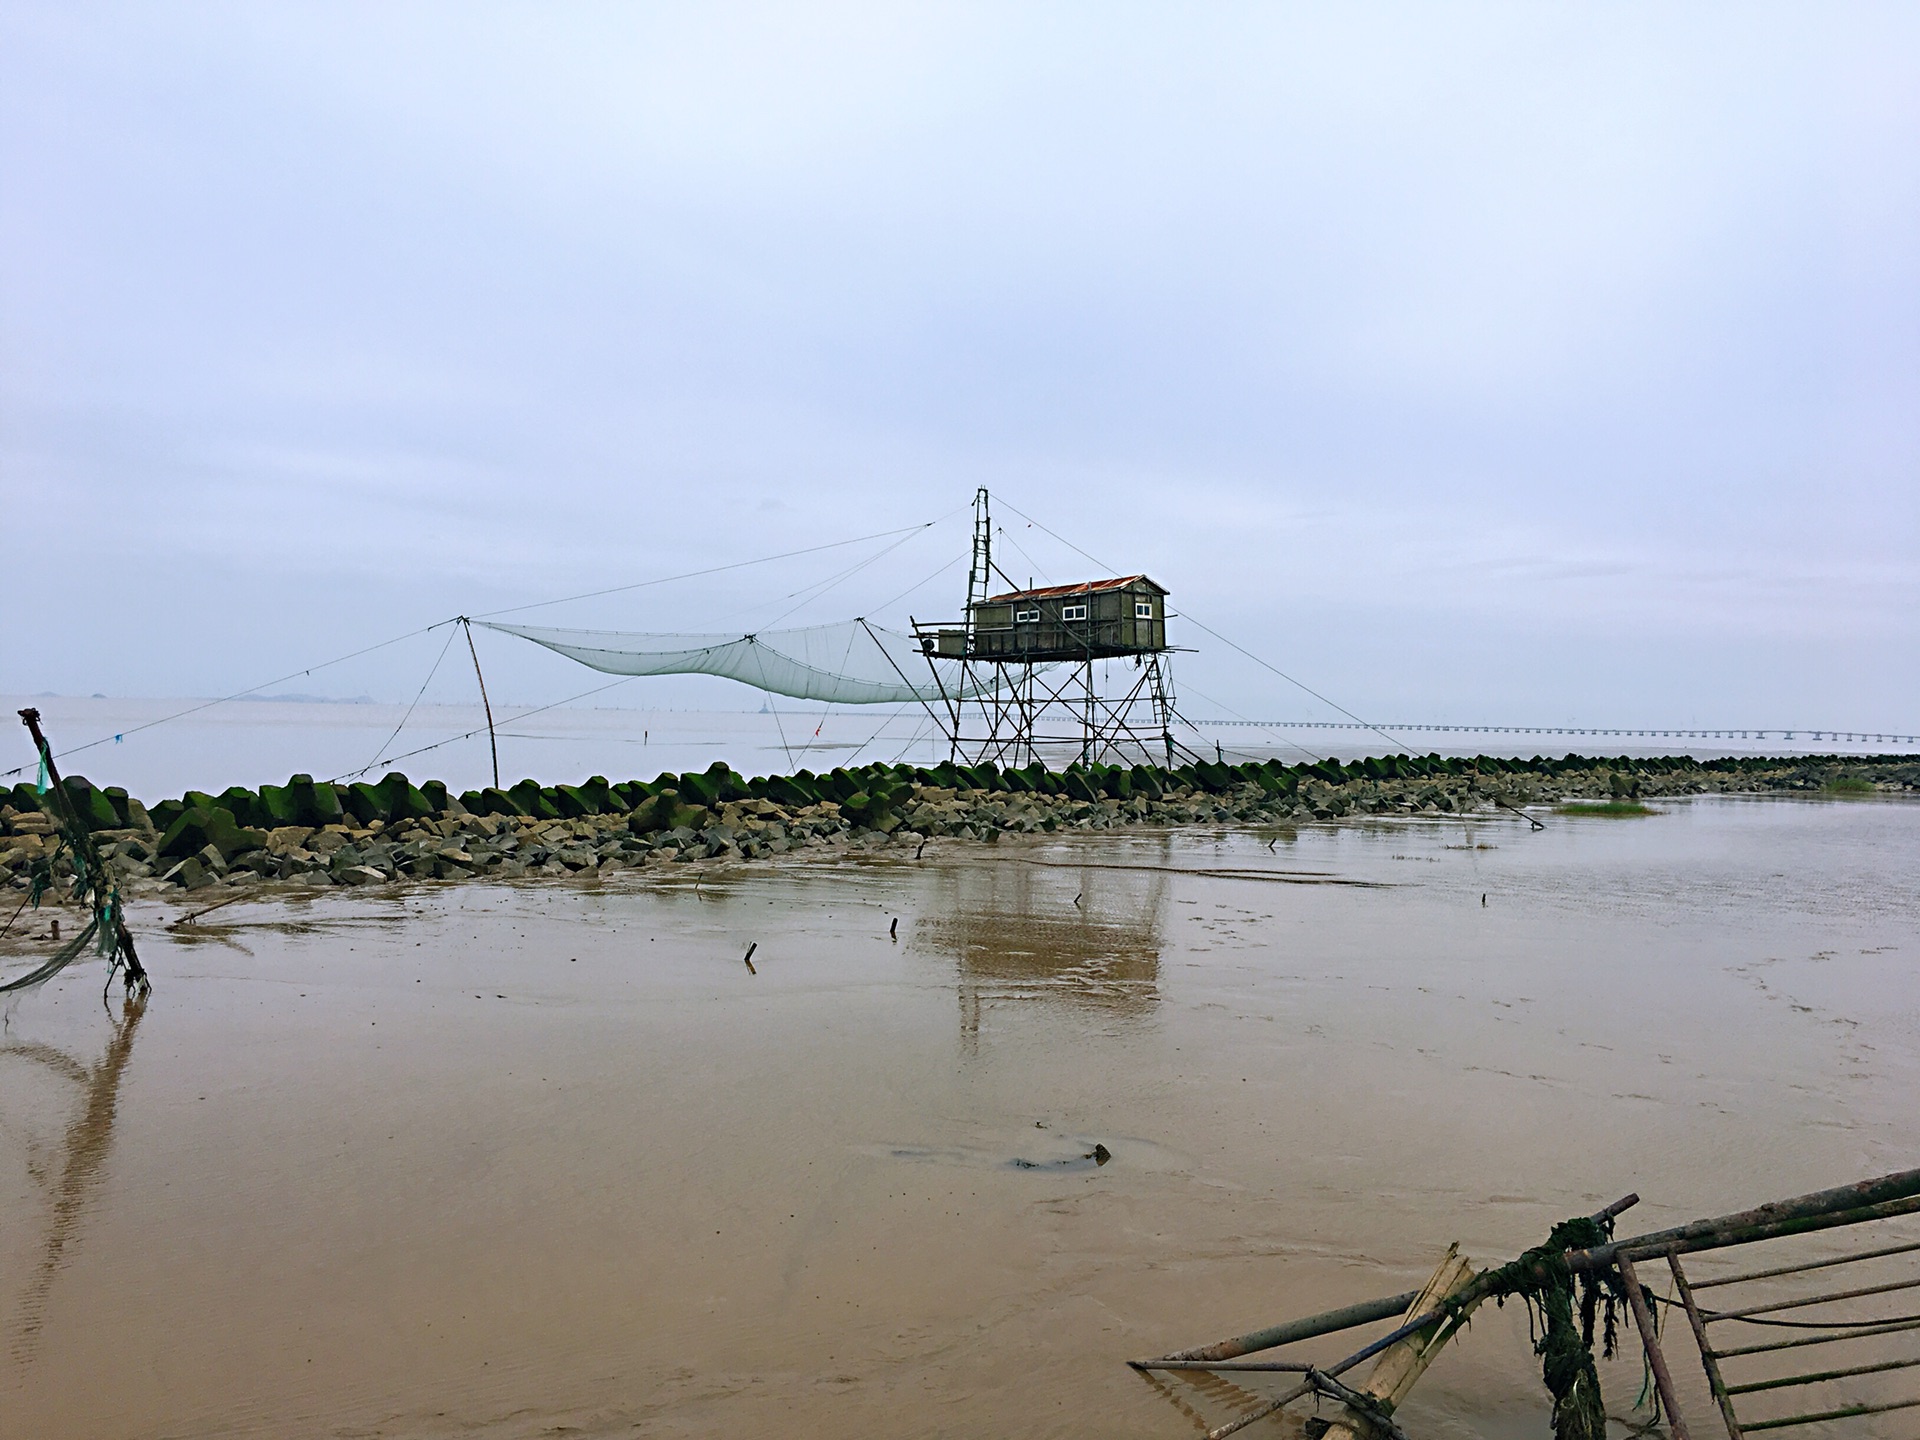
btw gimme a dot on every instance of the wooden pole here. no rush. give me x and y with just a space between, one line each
492 743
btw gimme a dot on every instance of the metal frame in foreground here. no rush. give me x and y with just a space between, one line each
1430 1325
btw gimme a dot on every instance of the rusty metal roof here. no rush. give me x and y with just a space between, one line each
1087 587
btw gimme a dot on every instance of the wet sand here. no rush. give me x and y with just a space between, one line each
541 1160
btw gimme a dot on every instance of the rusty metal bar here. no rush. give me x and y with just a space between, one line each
1650 1341
1889 1328
1801 1304
1325 1323
1812 1265
1648 1247
1900 1185
1708 1360
1845 1412
1817 1376
1296 1367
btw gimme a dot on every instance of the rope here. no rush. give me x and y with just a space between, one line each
1184 615
411 708
481 729
236 695
712 570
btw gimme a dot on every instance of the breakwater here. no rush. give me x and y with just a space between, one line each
317 834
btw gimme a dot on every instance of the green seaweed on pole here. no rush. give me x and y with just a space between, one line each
1542 1278
91 874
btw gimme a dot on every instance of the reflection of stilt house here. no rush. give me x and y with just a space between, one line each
1032 936
1028 655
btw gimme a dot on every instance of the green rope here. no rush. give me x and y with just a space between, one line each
1542 1279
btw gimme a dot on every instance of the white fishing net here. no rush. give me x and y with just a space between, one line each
850 663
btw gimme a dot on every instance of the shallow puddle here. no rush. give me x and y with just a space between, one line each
489 1161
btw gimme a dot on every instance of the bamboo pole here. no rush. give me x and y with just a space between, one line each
493 744
1401 1365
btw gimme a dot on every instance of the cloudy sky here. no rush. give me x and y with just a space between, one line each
1471 363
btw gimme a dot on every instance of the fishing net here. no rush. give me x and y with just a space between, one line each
849 663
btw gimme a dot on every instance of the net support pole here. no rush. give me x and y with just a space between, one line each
493 743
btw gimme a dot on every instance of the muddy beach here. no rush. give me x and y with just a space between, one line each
535 1158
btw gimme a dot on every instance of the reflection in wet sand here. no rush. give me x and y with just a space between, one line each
1087 936
85 1145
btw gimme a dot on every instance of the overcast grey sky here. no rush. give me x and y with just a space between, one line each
1497 363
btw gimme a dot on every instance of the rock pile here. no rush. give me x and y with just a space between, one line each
308 833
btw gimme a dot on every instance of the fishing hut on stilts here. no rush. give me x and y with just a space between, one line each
1035 668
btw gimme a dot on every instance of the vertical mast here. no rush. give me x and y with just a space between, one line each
979 586
980 575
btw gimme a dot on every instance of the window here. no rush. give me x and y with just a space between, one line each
1073 612
1143 609
1026 617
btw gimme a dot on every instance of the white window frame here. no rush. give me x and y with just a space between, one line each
1143 609
1073 612
1026 617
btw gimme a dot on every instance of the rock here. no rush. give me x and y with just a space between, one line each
190 873
95 810
359 875
288 838
243 805
404 801
201 826
304 802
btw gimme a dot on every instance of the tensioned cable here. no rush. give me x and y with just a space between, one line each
238 694
815 590
778 723
481 729
414 706
873 737
1294 744
1037 570
712 570
1221 638
846 574
922 584
912 740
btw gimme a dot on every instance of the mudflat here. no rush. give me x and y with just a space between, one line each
550 1159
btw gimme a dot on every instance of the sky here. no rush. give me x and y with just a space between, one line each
1468 363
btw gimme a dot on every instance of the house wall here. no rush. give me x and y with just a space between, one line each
1111 627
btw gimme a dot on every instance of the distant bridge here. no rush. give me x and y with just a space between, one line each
1797 737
